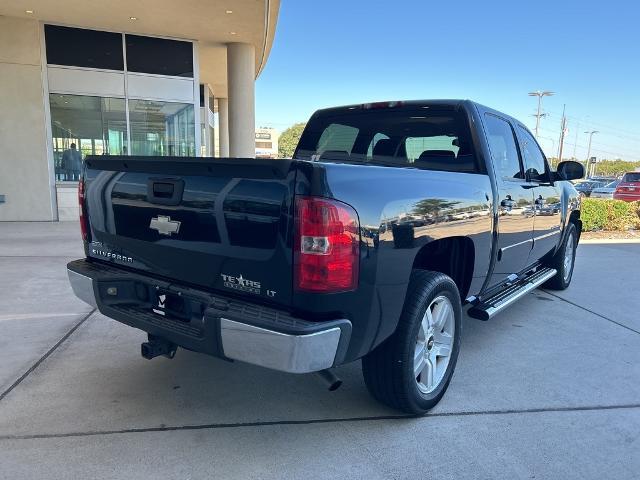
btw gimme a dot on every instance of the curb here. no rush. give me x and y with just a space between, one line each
609 240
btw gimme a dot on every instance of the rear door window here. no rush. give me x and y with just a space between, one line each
534 161
504 151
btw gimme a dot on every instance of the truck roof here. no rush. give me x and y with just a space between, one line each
399 103
452 104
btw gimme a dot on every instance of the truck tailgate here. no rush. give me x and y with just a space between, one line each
221 224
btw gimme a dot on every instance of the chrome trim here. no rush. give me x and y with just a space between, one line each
528 240
491 311
279 351
555 232
83 287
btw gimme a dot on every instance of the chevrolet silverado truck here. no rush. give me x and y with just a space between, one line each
367 244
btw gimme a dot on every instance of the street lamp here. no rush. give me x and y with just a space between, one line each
539 94
590 133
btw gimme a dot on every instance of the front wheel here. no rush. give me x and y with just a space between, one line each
411 370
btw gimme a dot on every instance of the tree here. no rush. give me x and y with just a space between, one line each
432 206
289 139
615 167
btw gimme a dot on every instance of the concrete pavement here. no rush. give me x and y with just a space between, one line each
548 389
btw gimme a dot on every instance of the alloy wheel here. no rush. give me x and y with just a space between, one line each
434 344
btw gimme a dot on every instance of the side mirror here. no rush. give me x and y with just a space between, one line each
569 170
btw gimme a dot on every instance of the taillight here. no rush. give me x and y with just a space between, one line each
327 246
84 221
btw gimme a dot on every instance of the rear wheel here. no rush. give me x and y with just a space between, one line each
564 260
411 370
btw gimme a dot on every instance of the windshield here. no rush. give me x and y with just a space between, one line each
432 138
588 185
613 184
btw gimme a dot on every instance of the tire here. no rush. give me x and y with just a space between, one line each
565 268
388 370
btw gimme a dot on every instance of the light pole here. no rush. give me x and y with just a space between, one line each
590 133
539 94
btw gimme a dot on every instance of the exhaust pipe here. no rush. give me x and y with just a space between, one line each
330 379
157 346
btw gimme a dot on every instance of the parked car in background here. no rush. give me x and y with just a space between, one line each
550 209
585 187
603 179
606 191
629 187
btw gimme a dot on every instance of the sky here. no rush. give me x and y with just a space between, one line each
332 52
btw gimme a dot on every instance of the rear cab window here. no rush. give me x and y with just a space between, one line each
631 177
430 137
443 143
337 138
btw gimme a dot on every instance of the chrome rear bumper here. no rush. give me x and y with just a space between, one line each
306 346
280 351
83 287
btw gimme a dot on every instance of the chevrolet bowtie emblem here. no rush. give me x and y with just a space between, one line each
164 225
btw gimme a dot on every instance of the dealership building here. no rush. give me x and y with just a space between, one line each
150 77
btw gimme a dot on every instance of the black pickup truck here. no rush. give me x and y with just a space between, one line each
366 245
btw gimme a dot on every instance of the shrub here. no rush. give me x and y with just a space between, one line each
600 214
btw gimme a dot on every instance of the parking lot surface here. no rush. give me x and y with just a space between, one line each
548 389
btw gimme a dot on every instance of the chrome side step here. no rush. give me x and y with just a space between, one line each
501 300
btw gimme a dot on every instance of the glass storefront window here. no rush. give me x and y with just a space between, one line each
80 47
159 56
208 124
83 125
162 128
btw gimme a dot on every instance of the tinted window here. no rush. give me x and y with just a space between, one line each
532 155
588 185
337 138
631 177
374 141
159 56
83 48
417 145
429 137
502 144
